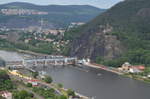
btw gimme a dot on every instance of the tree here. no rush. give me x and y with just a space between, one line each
22 95
35 74
48 79
60 85
99 59
5 81
62 97
70 92
29 85
147 70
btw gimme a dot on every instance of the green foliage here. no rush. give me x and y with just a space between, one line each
48 79
62 97
65 50
29 85
60 85
35 74
99 60
22 95
21 46
4 44
73 33
147 71
46 93
5 81
70 92
139 56
45 48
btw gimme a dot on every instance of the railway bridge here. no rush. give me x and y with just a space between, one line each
41 62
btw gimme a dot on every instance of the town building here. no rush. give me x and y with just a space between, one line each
134 70
75 25
127 67
6 94
84 61
33 82
148 75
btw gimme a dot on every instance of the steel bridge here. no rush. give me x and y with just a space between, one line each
41 62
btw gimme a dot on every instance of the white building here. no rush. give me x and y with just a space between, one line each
84 61
134 70
148 76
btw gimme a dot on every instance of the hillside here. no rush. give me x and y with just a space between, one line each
120 34
56 15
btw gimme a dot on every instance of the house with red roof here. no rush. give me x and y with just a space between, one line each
33 82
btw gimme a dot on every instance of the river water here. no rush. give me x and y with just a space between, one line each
92 82
99 84
10 56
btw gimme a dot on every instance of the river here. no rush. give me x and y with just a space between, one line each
96 83
11 56
99 84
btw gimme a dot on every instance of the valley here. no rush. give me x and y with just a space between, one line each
75 51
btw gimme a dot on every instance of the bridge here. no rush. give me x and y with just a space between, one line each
47 62
44 61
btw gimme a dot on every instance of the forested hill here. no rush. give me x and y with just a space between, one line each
120 34
58 15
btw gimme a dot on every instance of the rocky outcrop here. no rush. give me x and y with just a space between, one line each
144 12
97 43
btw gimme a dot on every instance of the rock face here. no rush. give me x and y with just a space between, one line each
144 12
114 32
97 43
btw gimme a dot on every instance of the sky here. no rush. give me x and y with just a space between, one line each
97 3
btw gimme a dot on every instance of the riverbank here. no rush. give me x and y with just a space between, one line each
24 51
32 53
106 68
137 77
116 71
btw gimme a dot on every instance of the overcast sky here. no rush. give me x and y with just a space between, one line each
97 3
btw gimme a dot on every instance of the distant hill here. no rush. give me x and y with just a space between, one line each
58 15
120 34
